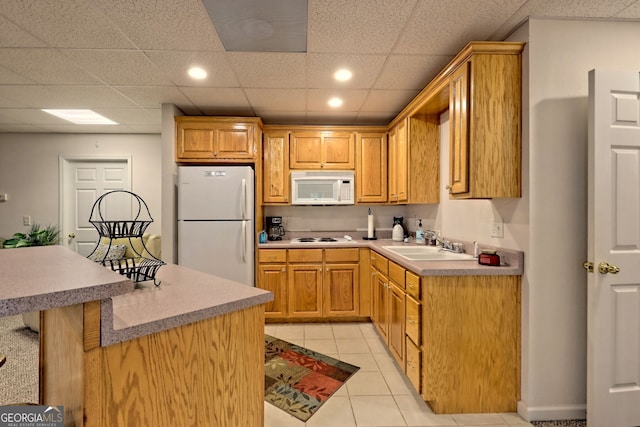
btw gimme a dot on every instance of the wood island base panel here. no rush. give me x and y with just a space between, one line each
210 372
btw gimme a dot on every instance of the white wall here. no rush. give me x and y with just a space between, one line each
169 184
29 166
559 55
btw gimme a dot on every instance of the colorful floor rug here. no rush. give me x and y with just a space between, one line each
298 380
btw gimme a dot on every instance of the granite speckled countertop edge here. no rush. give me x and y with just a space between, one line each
512 261
184 296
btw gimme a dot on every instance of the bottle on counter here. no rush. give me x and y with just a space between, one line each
420 233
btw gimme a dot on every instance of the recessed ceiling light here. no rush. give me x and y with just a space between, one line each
197 73
81 117
335 102
342 75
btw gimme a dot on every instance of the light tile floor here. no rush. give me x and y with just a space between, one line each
379 394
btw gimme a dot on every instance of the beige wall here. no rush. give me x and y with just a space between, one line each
29 166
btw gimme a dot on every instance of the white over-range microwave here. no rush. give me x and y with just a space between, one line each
322 188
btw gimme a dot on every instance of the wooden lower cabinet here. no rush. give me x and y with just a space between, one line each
272 276
471 342
313 284
396 338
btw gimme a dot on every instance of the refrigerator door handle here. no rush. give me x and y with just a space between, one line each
244 241
244 199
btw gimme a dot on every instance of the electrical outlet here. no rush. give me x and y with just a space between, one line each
26 220
497 229
4 197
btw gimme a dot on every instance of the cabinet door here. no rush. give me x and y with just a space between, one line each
194 141
381 297
338 150
458 129
371 170
234 141
414 364
396 338
392 171
305 150
273 278
341 290
275 167
322 149
305 290
402 152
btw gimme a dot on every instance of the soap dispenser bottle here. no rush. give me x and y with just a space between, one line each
420 233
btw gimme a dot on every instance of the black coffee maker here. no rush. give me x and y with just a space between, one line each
275 230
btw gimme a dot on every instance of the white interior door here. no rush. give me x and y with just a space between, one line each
613 346
82 182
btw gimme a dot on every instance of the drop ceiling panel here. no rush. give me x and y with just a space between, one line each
388 100
263 100
353 26
410 71
8 77
133 116
164 25
68 23
216 99
322 66
14 36
330 118
175 64
269 70
284 117
154 96
119 67
317 99
52 96
451 25
45 66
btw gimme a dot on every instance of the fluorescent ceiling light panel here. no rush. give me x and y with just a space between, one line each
260 25
81 117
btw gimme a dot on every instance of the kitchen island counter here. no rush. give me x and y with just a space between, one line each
189 352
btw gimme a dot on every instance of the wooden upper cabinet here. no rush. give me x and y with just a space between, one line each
458 128
414 160
275 167
322 150
485 134
371 167
211 139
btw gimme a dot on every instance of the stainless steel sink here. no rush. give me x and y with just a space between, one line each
427 253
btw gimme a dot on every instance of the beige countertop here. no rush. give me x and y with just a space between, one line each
512 262
184 296
41 278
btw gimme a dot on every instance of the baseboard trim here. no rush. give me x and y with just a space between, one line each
547 413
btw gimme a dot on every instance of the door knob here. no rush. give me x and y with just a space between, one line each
605 267
588 265
72 235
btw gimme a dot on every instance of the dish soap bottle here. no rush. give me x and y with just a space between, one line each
420 233
397 233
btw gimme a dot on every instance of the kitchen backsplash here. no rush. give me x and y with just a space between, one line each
350 218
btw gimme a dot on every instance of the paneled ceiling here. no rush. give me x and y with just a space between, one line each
124 58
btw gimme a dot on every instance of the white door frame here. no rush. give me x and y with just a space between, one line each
64 160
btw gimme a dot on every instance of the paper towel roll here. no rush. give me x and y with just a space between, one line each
370 226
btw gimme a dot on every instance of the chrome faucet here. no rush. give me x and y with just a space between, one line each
455 247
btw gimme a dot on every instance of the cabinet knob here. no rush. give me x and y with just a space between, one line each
215 153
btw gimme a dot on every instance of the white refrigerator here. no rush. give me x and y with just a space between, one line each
216 221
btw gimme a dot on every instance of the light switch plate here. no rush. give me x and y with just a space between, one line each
497 229
4 197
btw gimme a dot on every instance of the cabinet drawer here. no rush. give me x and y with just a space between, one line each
413 285
396 274
305 255
342 255
413 367
413 322
380 263
272 255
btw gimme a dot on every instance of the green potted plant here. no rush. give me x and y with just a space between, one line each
36 236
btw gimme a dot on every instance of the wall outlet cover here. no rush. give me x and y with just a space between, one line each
497 229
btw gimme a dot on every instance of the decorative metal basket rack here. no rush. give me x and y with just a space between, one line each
144 265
